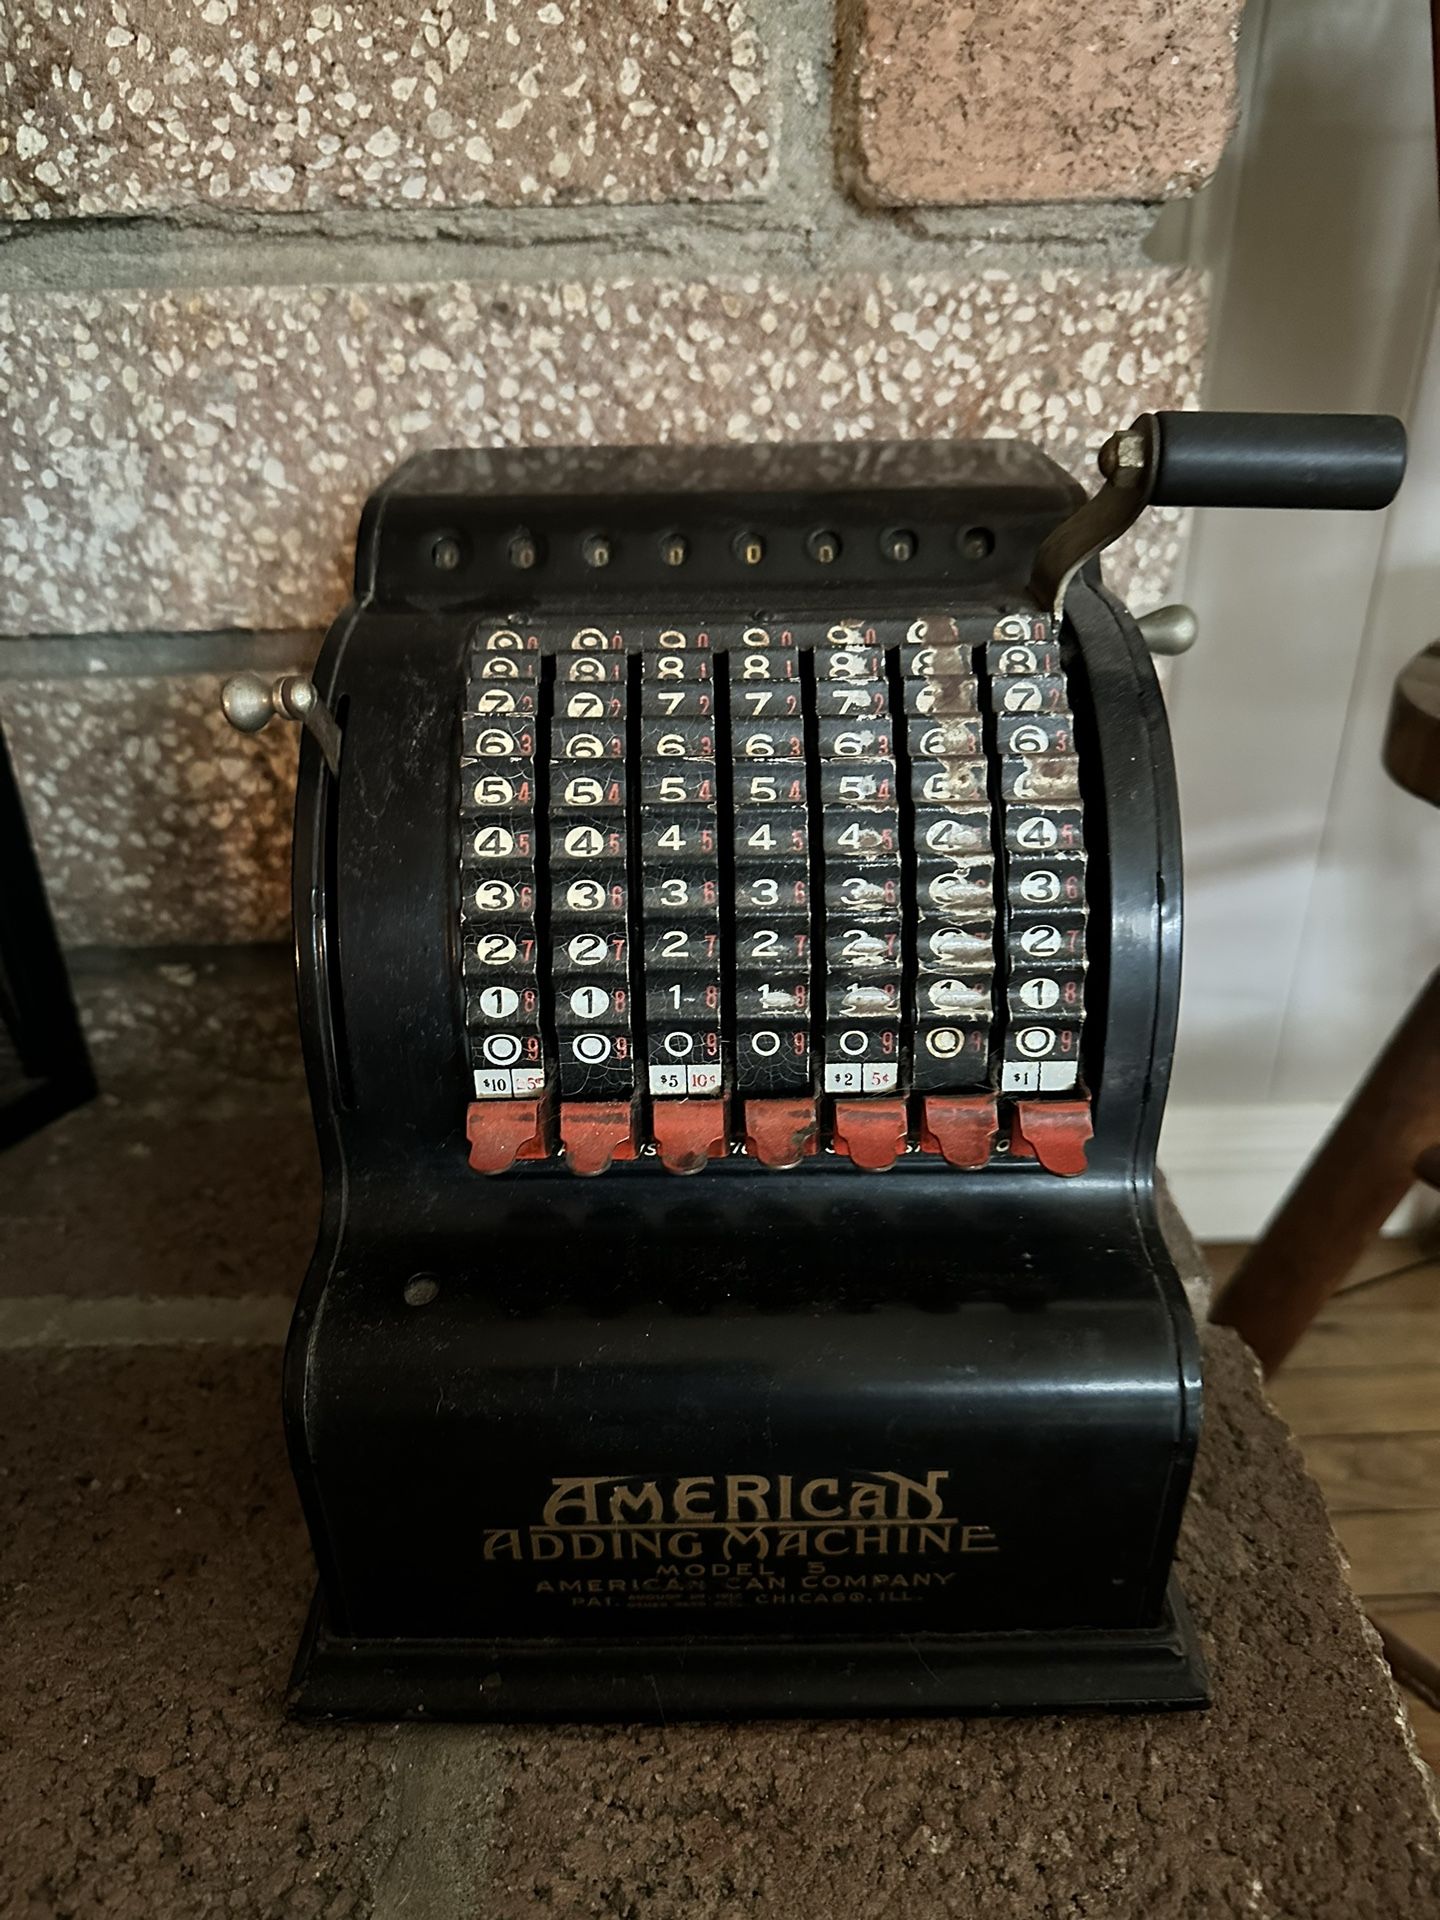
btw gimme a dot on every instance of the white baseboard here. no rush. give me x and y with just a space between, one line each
1230 1167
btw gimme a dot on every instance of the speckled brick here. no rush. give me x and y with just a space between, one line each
198 460
135 106
155 823
1030 100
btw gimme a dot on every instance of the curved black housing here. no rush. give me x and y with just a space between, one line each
1345 460
1023 1336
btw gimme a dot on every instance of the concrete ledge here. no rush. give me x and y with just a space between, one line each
189 1192
158 1577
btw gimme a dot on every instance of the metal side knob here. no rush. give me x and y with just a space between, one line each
250 703
1169 630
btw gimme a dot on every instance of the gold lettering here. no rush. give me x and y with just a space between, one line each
644 1505
868 1501
697 1486
823 1539
978 1540
502 1543
745 1540
587 1516
751 1487
927 1490
581 1495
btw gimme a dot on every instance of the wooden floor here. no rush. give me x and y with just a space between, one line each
1362 1392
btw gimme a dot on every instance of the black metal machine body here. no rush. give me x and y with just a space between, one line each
801 821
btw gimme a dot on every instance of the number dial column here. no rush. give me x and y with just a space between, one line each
1045 861
589 885
860 836
680 866
954 860
772 865
499 957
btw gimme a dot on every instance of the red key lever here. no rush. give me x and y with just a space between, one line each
501 1132
962 1127
688 1133
1054 1132
595 1132
871 1132
781 1133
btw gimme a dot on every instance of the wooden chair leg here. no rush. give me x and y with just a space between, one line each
1358 1177
1415 1671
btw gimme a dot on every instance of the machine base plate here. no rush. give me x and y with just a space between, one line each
1116 1670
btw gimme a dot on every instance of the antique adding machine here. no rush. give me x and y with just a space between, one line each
737 910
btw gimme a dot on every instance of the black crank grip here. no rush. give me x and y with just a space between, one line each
1349 460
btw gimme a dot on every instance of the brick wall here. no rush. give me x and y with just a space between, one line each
251 255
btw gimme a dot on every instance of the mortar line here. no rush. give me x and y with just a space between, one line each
99 959
30 657
802 220
621 245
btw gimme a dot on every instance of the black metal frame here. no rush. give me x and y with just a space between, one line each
662 1679
1029 1332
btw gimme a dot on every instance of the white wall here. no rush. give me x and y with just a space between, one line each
1313 885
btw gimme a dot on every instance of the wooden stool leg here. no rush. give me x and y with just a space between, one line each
1358 1177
